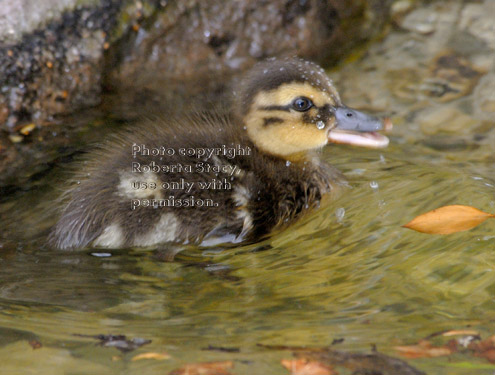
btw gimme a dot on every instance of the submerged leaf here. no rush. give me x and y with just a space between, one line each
151 355
484 349
205 368
448 219
424 349
455 332
35 344
302 366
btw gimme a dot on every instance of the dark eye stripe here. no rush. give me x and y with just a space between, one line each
285 108
271 120
309 116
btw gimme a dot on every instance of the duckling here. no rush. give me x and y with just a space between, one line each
217 176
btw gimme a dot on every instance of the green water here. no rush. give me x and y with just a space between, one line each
348 270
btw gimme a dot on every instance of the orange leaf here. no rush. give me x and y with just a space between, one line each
424 349
304 367
448 219
205 368
488 355
486 344
484 349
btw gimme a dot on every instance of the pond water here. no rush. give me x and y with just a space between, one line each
346 271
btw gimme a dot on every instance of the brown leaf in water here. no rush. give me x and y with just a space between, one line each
35 344
484 348
424 349
303 366
151 355
205 368
448 219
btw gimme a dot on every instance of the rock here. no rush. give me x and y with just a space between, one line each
450 77
433 83
19 17
218 36
477 19
446 143
403 83
446 119
484 98
421 21
400 9
54 61
56 69
206 43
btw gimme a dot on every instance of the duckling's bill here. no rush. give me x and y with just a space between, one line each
359 129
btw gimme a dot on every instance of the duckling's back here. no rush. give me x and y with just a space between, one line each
198 179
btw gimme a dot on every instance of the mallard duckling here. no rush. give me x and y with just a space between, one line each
217 177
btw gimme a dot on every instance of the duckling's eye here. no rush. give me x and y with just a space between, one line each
302 104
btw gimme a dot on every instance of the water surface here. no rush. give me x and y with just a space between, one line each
348 270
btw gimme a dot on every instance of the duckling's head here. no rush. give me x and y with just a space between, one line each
290 106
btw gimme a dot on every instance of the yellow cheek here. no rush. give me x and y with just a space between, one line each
289 134
303 137
288 139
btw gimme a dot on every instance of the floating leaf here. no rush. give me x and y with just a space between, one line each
448 219
302 366
151 355
424 349
484 349
205 368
